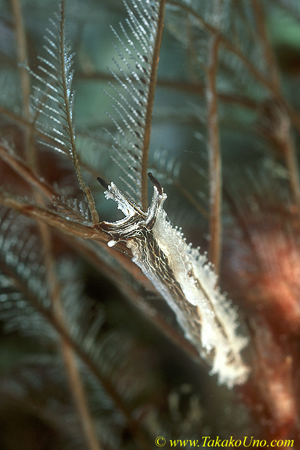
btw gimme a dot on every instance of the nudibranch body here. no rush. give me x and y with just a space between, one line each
186 280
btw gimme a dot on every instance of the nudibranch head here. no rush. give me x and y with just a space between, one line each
135 221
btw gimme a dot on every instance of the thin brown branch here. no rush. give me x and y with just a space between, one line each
26 172
265 43
150 103
22 55
24 74
214 155
79 395
51 218
286 141
292 167
68 112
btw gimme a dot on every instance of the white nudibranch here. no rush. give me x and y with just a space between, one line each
186 280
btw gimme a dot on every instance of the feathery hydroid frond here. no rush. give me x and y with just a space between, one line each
72 209
133 99
23 272
54 98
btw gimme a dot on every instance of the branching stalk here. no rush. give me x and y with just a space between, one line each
51 218
85 189
150 103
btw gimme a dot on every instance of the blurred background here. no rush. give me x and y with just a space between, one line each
163 387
